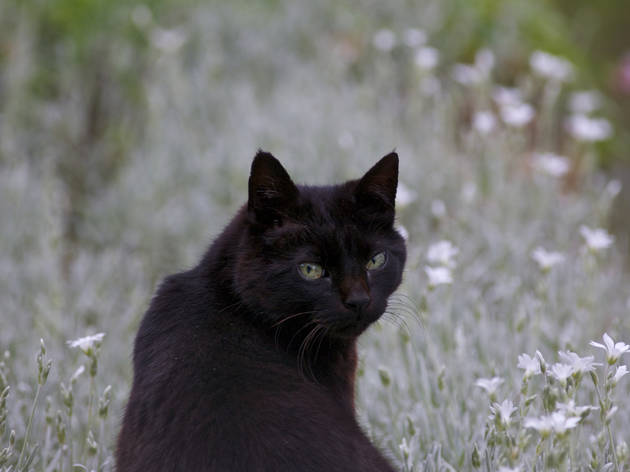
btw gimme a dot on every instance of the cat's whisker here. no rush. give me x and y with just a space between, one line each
310 323
404 310
398 321
404 300
324 332
292 316
276 325
392 319
302 351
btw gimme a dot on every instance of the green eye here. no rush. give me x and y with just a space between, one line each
377 261
310 270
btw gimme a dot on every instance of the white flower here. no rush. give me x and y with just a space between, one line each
438 208
556 422
571 409
584 128
77 373
586 101
442 253
613 350
484 61
530 364
88 342
404 195
552 164
469 192
611 413
404 448
427 58
596 239
517 115
546 259
438 275
466 74
579 364
384 40
168 41
561 423
403 232
345 140
506 96
561 372
414 37
550 66
483 121
613 188
489 385
504 411
541 360
141 16
621 371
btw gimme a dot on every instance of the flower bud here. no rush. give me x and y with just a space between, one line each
476 458
384 375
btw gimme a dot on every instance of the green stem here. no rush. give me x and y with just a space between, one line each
70 441
28 426
90 408
606 424
612 446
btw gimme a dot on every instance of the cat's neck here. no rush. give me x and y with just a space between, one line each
320 358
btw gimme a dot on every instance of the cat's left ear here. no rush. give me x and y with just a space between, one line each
377 188
271 190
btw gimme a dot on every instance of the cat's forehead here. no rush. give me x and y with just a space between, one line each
328 217
328 205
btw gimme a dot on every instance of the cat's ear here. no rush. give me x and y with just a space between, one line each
377 188
271 190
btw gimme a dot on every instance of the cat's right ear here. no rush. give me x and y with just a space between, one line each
376 190
271 191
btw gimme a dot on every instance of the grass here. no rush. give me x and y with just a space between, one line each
328 103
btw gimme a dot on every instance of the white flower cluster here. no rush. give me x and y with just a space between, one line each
546 259
473 74
596 239
513 110
442 257
551 67
489 385
568 414
585 128
551 164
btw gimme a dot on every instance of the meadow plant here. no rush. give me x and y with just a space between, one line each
482 361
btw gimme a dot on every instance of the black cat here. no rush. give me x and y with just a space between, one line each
247 362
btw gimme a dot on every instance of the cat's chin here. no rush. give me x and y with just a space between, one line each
349 332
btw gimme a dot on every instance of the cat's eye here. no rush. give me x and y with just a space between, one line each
376 261
310 270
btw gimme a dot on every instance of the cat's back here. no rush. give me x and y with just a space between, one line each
212 393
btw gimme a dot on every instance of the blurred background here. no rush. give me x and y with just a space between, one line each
127 129
84 83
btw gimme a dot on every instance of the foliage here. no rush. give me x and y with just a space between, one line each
493 171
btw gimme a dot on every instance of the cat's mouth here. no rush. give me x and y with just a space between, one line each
350 329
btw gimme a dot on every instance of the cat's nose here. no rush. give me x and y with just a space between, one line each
357 303
357 300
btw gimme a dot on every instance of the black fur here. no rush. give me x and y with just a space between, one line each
240 364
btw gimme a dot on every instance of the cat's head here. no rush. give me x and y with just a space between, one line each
325 256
